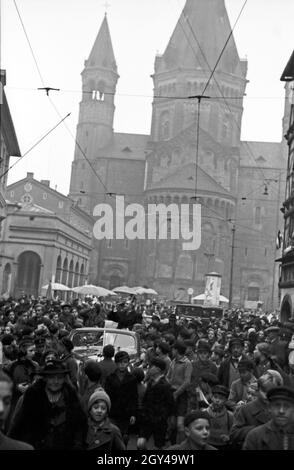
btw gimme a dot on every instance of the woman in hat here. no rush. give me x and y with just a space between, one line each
51 415
102 435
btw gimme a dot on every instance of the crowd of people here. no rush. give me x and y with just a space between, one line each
198 384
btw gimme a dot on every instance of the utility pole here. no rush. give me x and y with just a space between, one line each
232 266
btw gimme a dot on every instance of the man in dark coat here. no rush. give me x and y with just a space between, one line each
158 406
278 432
255 412
51 416
228 370
121 386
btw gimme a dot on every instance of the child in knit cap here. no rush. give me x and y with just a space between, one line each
102 434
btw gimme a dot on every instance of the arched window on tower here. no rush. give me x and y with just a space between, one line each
101 90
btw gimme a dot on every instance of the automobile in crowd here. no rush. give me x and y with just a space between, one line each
192 312
89 342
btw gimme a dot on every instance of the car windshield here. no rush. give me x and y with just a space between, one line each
99 339
83 339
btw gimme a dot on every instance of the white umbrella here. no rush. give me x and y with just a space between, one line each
125 290
139 290
144 290
222 298
57 286
89 289
151 291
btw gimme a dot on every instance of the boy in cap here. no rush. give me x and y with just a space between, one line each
121 386
102 435
179 377
278 432
197 431
221 419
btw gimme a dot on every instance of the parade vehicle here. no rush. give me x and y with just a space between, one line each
89 343
192 311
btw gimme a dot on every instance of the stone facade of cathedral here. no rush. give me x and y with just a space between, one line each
176 163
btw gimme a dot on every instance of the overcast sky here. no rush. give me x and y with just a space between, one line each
62 33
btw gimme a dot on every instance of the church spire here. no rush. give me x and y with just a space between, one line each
203 23
102 54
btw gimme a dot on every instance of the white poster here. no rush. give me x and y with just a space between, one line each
212 290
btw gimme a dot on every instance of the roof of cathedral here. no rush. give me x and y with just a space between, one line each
185 178
262 154
205 23
128 146
102 54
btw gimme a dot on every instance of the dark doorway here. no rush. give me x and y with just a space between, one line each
28 274
286 311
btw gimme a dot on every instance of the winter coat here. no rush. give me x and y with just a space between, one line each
107 367
199 368
185 445
269 437
123 395
46 426
10 444
158 403
247 418
107 438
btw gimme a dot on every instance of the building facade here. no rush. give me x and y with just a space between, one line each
194 150
46 237
287 261
8 147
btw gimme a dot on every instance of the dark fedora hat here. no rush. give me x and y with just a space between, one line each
54 367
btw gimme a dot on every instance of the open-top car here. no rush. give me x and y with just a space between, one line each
89 342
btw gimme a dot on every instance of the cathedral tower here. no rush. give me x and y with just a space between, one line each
95 126
186 65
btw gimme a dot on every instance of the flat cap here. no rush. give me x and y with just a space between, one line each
281 393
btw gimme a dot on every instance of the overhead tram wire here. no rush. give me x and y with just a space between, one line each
218 86
55 108
33 146
107 193
130 95
224 47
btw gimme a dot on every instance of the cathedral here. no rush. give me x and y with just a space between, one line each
193 153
